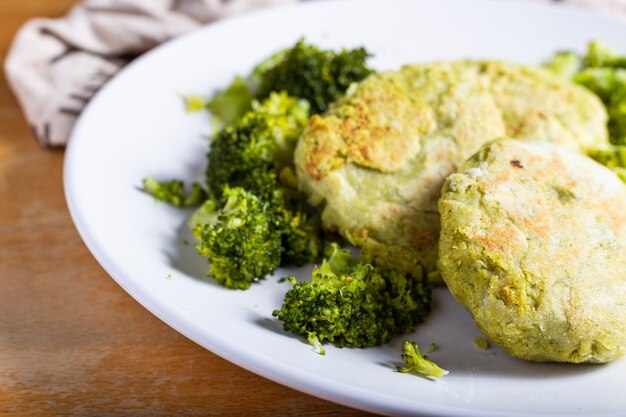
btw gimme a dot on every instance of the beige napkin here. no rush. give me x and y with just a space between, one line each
56 65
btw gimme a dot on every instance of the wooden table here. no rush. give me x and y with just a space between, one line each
72 342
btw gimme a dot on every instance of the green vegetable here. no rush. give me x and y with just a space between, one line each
565 63
308 72
600 55
315 342
303 71
229 105
256 219
252 152
246 238
255 155
610 85
602 71
194 103
601 81
416 363
237 235
173 192
300 230
613 157
353 304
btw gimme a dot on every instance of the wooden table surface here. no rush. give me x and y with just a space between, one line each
72 342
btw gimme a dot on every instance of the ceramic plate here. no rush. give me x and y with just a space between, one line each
136 126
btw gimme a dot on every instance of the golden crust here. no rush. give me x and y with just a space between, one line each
373 129
533 244
378 158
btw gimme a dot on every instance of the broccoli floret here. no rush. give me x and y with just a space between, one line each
610 85
256 154
256 219
305 71
237 235
230 104
564 63
173 192
416 363
247 238
300 235
252 152
617 115
600 55
353 304
613 157
601 81
604 73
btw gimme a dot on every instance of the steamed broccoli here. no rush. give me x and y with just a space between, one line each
416 363
565 63
602 71
229 105
255 154
300 234
252 152
600 55
237 235
353 304
256 220
173 192
601 81
308 72
246 238
613 157
610 85
303 71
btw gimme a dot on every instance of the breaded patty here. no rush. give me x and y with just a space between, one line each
533 244
377 159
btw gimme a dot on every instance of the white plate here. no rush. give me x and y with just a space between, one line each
136 126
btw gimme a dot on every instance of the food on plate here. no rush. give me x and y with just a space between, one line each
263 221
308 72
602 71
173 192
374 163
238 236
523 247
253 152
319 76
611 156
352 304
417 364
533 244
255 219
